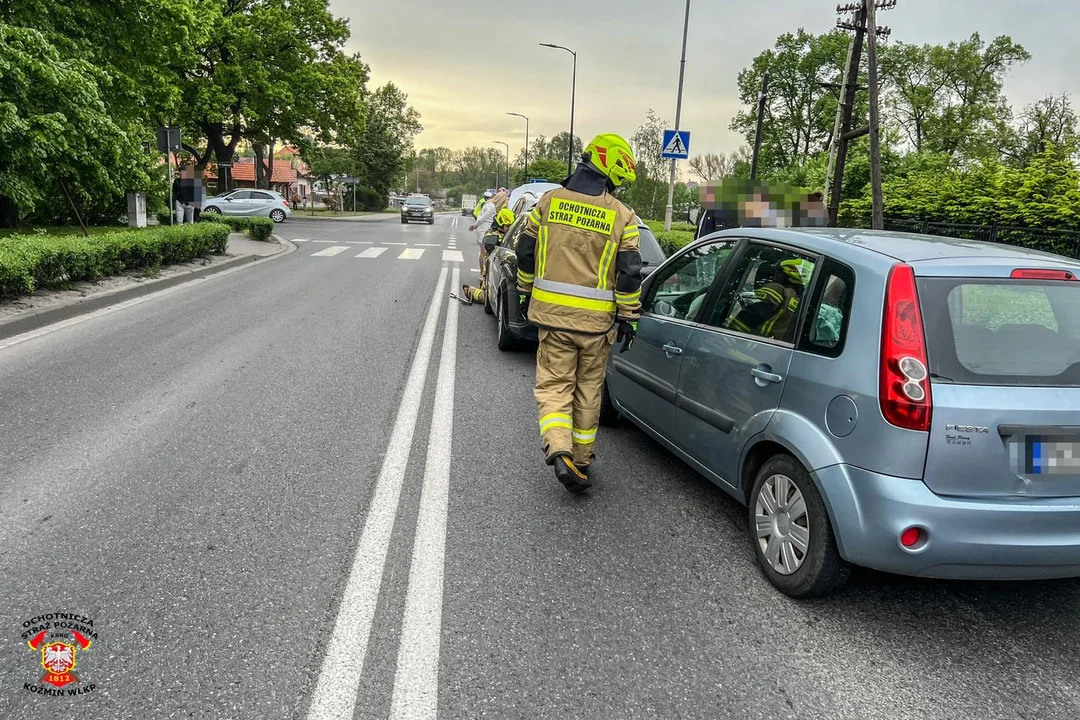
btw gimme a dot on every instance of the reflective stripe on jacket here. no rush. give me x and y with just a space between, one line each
587 268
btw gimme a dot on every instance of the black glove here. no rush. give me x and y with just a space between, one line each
627 333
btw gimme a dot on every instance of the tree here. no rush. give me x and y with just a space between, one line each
387 138
799 113
648 195
548 169
713 166
1045 123
949 99
55 130
268 69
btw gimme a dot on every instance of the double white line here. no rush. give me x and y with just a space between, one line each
416 682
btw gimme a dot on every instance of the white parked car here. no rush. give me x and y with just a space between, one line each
261 203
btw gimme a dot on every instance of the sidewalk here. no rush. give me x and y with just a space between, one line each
48 306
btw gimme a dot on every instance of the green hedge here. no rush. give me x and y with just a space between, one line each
259 228
680 234
29 262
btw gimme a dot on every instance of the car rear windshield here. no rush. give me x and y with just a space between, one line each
649 247
1002 331
418 201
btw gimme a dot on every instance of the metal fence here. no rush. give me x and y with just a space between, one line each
1060 242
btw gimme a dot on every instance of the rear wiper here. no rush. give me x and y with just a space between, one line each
935 376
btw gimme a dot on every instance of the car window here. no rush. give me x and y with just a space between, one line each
261 196
510 239
830 308
764 292
1002 332
240 195
421 201
678 290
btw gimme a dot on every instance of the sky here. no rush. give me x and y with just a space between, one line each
465 64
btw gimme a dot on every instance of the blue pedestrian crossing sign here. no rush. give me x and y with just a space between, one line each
676 144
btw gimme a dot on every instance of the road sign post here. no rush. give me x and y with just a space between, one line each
168 142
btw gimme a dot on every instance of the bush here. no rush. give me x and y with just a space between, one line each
369 199
673 240
259 228
164 217
30 262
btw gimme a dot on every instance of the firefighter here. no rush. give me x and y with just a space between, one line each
480 203
777 292
503 220
579 282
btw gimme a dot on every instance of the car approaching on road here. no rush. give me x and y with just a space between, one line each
252 203
501 299
417 207
903 402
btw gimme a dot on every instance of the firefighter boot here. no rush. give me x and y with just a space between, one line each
568 474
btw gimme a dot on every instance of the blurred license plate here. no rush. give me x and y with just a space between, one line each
1049 455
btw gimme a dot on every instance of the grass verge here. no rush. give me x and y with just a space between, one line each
32 262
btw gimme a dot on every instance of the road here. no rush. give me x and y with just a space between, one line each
313 488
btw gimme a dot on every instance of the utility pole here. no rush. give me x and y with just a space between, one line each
857 22
762 100
878 215
678 118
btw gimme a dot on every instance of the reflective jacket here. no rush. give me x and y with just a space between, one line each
777 305
579 259
478 208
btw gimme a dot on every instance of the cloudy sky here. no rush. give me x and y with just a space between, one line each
465 63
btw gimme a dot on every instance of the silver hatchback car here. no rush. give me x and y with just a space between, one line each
261 203
903 402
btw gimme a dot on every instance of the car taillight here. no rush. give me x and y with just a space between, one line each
905 380
284 202
1037 274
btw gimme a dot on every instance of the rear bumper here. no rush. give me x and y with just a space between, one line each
974 539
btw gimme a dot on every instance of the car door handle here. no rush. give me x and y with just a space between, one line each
672 349
765 375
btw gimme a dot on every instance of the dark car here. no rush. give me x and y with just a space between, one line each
501 297
417 207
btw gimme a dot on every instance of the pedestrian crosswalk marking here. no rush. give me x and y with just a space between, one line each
372 252
428 245
410 254
396 243
452 256
331 251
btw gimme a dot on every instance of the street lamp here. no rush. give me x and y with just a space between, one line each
526 143
678 117
505 145
573 95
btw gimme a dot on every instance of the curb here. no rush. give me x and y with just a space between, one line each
35 320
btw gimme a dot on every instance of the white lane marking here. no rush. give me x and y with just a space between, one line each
474 269
331 251
410 254
299 240
395 243
325 241
427 244
372 252
416 682
452 256
339 676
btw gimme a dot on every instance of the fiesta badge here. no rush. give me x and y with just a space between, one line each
58 644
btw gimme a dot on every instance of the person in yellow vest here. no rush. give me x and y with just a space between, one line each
776 300
579 282
503 220
480 204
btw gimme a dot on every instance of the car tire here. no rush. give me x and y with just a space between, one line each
821 570
504 339
431 221
488 310
212 210
609 414
277 216
404 221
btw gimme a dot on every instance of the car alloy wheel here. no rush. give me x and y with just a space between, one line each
782 524
277 216
212 210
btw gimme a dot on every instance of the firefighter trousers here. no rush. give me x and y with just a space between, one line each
570 371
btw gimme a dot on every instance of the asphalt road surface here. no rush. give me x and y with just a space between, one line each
313 488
